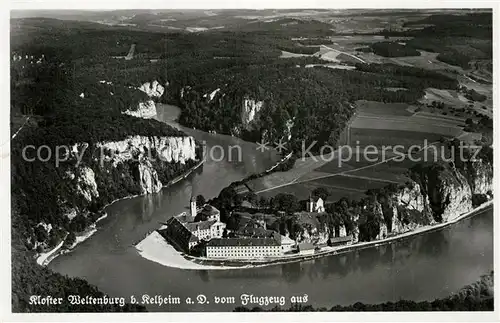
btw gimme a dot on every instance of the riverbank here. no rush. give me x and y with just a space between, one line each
155 248
45 258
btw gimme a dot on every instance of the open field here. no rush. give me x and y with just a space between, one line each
408 118
426 60
352 178
455 100
378 123
416 123
303 190
387 176
349 183
302 167
334 66
384 125
285 54
364 107
382 137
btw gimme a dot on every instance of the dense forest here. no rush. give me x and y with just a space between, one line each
393 49
477 296
28 278
317 100
245 64
65 107
66 118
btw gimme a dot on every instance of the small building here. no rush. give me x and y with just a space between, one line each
206 230
340 241
317 206
287 244
306 248
243 248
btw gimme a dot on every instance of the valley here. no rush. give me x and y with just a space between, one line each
134 105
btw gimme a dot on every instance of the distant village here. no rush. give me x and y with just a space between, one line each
200 232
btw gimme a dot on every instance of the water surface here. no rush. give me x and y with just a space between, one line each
422 267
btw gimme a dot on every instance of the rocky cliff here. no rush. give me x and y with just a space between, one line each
448 191
144 110
135 161
153 89
451 187
405 209
249 111
147 109
99 173
436 193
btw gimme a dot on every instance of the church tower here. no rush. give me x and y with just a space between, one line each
310 204
193 206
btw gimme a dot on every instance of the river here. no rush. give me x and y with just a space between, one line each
422 267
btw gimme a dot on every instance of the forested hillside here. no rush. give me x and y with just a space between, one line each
55 106
318 100
475 297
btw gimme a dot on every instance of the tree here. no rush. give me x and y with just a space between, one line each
70 240
285 202
233 222
320 192
251 198
40 233
263 202
200 200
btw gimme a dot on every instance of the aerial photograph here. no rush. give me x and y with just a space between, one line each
244 160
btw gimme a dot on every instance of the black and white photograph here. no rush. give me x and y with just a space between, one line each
248 160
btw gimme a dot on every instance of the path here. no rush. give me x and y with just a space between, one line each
131 52
333 49
20 128
372 178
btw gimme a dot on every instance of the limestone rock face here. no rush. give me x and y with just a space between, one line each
288 133
342 231
211 95
86 185
412 197
137 152
144 110
449 192
409 208
148 178
169 149
355 234
456 197
153 90
313 235
480 174
249 111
